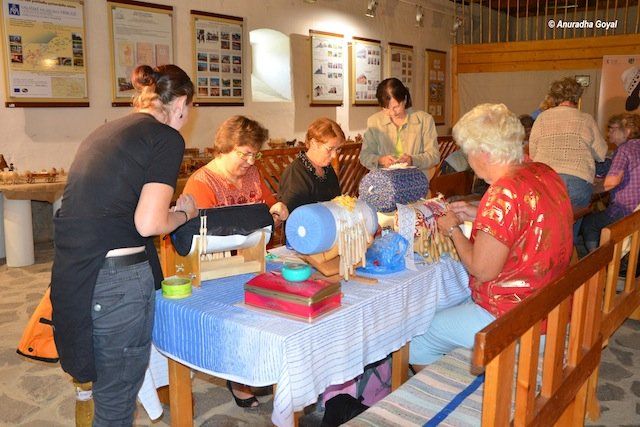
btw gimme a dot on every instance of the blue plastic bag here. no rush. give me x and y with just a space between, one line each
386 255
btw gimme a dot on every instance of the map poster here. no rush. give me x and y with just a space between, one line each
218 43
366 70
435 75
45 53
401 63
141 34
327 68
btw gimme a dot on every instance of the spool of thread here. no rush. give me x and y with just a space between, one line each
176 288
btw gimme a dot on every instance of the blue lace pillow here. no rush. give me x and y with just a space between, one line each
383 188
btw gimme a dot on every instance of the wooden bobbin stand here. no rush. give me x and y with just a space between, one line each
328 264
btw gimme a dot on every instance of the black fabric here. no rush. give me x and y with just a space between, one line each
301 186
340 409
223 221
104 184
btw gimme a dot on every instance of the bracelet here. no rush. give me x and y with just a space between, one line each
186 217
450 230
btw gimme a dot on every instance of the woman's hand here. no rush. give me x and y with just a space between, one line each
405 158
279 212
187 204
464 210
447 221
386 161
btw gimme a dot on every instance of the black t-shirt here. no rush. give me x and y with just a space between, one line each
97 214
299 185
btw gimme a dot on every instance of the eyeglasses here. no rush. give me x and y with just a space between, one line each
336 149
614 128
249 157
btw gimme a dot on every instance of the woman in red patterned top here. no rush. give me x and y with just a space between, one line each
231 178
522 231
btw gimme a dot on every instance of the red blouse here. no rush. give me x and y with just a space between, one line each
210 190
529 211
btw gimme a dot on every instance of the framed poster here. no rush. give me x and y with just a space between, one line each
141 34
401 63
366 70
45 53
435 79
218 44
619 87
327 68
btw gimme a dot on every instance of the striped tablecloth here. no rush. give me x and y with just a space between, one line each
212 332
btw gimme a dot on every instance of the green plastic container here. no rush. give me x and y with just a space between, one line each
176 288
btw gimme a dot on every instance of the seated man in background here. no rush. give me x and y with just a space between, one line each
623 179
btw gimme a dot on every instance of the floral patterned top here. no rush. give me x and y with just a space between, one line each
529 211
211 190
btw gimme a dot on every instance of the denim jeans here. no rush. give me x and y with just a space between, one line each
580 192
450 328
122 310
592 227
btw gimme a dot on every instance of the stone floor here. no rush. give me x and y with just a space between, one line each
34 394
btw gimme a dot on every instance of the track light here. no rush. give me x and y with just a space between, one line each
419 16
371 8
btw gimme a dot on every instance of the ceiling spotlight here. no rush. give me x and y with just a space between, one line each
371 8
309 1
419 16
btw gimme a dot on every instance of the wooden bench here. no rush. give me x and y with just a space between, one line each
520 387
618 305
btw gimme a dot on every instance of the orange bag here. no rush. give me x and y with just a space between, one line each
37 339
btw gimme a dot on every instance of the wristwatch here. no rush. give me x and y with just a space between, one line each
450 230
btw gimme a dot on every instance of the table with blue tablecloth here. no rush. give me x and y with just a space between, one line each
213 332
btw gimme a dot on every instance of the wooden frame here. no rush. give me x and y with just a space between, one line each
400 63
327 53
51 73
130 47
435 83
218 59
365 65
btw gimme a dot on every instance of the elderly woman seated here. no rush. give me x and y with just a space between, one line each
231 178
521 237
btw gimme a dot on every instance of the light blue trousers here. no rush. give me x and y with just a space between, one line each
451 328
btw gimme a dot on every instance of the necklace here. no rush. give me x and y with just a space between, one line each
308 165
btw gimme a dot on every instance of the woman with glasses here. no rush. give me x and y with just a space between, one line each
231 178
310 177
399 134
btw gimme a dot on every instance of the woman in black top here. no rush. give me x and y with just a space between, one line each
310 177
105 265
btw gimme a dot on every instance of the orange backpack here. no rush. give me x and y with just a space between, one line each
37 339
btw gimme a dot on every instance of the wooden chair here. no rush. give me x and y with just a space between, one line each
446 146
454 184
349 169
520 386
617 305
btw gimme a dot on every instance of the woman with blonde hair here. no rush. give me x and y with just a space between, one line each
105 265
521 234
310 177
568 140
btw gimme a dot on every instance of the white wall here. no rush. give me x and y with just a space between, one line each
36 138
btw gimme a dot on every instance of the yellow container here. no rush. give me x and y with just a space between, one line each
176 288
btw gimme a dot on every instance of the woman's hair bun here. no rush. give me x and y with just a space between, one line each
143 76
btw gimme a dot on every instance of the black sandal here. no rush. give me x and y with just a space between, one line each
249 402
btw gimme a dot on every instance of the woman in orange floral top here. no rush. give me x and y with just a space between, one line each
231 178
522 231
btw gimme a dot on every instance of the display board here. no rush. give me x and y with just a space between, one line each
218 46
401 63
435 79
140 34
366 70
45 53
327 68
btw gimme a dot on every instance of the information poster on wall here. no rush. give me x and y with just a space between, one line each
366 70
218 43
401 63
435 78
619 87
45 53
141 34
327 68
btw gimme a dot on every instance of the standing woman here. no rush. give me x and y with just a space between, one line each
569 141
398 134
105 267
310 177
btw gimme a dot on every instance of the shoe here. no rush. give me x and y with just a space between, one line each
249 402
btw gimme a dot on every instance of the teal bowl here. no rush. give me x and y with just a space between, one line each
296 272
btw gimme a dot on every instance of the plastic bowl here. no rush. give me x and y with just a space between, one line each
176 288
296 272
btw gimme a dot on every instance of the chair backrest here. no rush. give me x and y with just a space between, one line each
446 146
571 307
273 163
617 306
453 184
349 169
